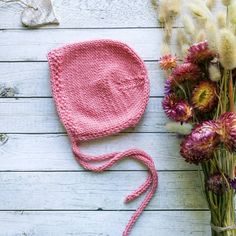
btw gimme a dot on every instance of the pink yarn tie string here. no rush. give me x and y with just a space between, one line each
111 159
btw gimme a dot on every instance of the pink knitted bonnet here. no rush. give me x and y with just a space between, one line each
101 88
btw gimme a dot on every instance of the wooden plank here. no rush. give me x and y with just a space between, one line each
31 79
102 223
92 14
91 191
89 14
38 115
33 45
53 151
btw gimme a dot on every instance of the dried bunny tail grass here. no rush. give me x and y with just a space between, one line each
232 13
199 11
181 37
179 128
165 49
168 10
174 7
226 2
189 27
167 32
155 4
214 73
227 49
221 20
211 35
210 4
201 36
182 42
163 13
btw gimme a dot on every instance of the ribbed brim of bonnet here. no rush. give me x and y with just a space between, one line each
100 87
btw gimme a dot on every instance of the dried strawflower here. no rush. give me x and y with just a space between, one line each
233 183
168 86
221 20
227 131
227 49
214 72
175 109
186 71
199 53
199 146
217 183
204 96
168 62
226 2
180 128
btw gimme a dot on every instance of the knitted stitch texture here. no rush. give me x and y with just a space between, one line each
100 88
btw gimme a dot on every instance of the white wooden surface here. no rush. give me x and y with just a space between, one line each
43 191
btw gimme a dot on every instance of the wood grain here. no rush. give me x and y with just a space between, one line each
53 151
102 223
91 191
31 79
89 14
33 45
38 115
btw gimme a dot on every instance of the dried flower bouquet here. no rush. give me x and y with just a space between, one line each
200 96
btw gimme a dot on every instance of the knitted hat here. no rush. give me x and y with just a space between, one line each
101 88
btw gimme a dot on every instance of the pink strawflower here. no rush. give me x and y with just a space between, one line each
227 131
168 86
177 110
199 53
199 146
186 72
168 62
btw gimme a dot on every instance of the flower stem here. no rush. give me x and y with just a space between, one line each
231 92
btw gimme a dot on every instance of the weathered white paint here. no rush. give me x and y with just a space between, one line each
90 14
49 177
33 45
53 151
102 223
38 115
31 79
90 191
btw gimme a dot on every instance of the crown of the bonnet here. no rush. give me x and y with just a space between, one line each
100 87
